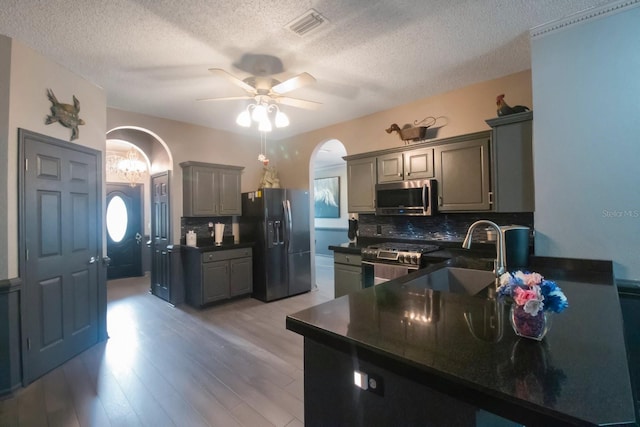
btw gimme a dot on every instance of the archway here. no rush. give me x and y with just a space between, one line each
157 157
327 173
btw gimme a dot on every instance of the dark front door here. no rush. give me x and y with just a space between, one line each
60 242
160 236
124 230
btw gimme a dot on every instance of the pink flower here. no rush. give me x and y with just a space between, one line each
521 296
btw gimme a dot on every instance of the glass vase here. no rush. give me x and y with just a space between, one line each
528 326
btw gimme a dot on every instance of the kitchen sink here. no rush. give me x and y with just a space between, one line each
456 280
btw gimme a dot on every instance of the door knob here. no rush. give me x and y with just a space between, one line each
92 260
138 238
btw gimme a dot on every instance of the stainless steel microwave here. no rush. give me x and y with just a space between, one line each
415 197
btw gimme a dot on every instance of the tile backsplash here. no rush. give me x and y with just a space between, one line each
201 226
442 227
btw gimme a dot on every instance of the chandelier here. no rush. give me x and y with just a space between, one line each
128 168
260 112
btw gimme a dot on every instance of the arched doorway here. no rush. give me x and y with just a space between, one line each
328 189
127 172
155 239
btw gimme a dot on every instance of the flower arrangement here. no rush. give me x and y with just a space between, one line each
532 296
532 292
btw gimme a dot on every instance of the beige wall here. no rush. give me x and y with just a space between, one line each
465 110
30 76
196 143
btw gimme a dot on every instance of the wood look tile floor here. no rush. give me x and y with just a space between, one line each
233 364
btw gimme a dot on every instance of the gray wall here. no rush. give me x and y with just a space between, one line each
586 102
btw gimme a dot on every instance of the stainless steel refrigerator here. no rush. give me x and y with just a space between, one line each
277 219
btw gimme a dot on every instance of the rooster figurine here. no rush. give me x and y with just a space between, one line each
504 109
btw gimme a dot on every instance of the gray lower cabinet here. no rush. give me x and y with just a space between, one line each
361 185
217 275
210 189
347 273
462 172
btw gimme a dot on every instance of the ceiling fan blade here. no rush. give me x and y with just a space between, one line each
228 98
299 103
233 79
293 83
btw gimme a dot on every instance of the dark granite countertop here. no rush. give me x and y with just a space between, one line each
208 245
578 375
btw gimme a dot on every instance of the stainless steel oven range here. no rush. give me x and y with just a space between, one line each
386 261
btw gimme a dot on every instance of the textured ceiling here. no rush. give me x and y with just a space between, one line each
152 56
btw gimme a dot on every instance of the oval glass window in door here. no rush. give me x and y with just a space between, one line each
117 219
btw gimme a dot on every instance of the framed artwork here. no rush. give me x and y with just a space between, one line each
326 194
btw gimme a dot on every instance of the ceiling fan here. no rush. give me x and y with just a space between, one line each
265 89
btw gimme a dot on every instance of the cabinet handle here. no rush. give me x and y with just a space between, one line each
490 197
400 175
408 173
439 200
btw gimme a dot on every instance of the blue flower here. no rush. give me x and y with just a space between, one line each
550 296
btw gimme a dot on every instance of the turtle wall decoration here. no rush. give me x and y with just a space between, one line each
65 114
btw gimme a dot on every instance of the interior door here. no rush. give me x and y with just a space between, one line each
60 244
160 236
124 230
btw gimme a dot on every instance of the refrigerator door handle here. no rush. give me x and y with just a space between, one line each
287 216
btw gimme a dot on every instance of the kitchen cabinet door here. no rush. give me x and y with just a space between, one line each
200 191
241 276
347 279
230 196
418 164
462 172
215 281
361 185
211 190
512 163
390 168
347 273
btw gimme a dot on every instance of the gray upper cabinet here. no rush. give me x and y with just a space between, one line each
361 185
211 190
512 160
418 163
462 172
390 168
412 164
488 171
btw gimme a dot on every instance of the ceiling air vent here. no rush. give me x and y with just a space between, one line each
310 21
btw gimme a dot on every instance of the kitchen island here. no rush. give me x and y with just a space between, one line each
439 358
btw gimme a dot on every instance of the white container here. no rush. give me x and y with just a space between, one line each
191 238
219 229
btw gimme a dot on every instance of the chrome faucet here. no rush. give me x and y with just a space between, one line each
500 263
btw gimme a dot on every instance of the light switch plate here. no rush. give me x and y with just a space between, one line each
361 380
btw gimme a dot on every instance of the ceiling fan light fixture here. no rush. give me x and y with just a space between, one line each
259 113
282 120
265 125
244 119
